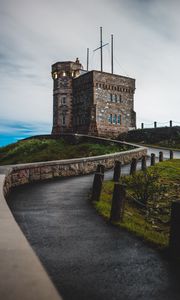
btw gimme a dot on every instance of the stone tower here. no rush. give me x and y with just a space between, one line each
63 74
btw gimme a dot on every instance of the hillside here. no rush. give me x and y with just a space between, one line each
45 149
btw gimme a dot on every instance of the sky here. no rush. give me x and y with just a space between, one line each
35 34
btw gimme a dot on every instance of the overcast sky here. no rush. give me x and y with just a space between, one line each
35 34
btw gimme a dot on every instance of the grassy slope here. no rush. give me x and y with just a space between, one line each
154 229
34 150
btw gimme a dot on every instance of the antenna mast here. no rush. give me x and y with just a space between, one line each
87 59
101 48
112 55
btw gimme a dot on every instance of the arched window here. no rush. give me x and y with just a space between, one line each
119 119
115 119
110 119
63 120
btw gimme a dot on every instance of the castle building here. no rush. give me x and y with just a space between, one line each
91 102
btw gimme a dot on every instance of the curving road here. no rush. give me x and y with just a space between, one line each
87 258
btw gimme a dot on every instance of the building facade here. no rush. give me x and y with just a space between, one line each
94 102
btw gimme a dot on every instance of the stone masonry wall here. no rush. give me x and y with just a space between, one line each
114 99
27 173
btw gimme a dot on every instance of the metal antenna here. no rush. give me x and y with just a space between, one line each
101 46
87 59
112 58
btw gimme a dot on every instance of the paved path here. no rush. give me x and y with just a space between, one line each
87 258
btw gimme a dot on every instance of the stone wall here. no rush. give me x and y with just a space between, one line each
114 99
27 173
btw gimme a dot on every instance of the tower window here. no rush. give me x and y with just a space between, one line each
64 73
63 120
110 118
63 100
55 75
119 119
115 119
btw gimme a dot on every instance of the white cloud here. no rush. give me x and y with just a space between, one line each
35 34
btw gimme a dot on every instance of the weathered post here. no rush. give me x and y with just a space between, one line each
160 156
155 124
100 169
174 241
133 166
153 157
117 171
97 186
118 200
143 163
171 154
142 125
170 123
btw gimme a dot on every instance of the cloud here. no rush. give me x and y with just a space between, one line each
35 34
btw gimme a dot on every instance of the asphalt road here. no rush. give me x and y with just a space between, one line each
87 258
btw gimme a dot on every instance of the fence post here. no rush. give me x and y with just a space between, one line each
142 125
143 163
97 186
160 156
117 171
118 200
170 123
155 124
171 154
133 166
153 159
174 241
100 169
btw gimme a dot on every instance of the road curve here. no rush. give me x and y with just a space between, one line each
87 258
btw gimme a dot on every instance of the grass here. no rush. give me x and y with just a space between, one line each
34 150
153 222
175 147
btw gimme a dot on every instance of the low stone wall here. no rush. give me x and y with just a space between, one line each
27 173
22 276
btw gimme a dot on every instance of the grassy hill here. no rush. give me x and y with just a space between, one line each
45 149
151 222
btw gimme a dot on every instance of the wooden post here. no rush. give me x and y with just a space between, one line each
160 156
170 123
153 157
143 163
97 186
117 171
133 166
100 169
142 125
118 200
174 241
171 154
155 124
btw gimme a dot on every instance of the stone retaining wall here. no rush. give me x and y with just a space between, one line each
27 173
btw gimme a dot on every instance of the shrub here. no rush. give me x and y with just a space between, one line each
145 186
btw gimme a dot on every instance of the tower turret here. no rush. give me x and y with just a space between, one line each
63 74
